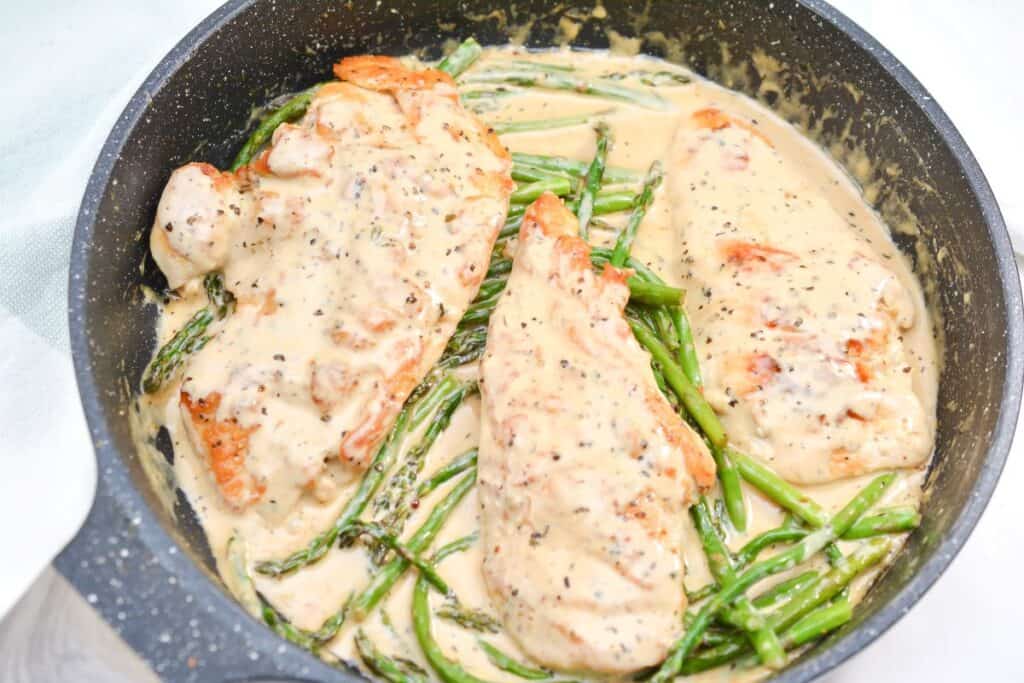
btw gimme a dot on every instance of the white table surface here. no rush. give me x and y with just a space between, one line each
75 69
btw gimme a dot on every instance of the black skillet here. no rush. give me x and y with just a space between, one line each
150 576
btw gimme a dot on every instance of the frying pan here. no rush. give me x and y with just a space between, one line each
150 573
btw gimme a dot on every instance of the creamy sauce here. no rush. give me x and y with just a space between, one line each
744 174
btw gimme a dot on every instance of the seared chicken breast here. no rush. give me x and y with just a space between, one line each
585 471
799 319
353 245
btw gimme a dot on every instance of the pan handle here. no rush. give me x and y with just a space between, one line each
167 609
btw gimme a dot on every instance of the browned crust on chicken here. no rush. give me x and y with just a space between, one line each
226 445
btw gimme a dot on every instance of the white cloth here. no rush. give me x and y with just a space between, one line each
70 67
68 70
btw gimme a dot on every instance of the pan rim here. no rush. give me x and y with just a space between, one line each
130 500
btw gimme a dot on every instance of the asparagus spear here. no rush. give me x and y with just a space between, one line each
461 58
610 201
474 95
280 625
472 619
592 181
507 127
696 405
465 339
485 100
661 324
391 542
652 78
775 488
470 355
831 584
191 337
810 545
561 80
289 111
814 592
221 300
506 663
537 66
749 552
511 227
834 554
602 255
625 241
564 165
448 670
785 589
384 579
480 311
528 173
644 287
188 340
490 288
892 521
390 669
732 491
447 472
238 580
499 267
818 623
653 294
390 502
524 194
701 593
687 349
895 520
408 420
763 638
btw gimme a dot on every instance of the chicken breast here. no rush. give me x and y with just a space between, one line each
353 244
799 319
585 471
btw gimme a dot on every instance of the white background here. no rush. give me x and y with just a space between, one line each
69 67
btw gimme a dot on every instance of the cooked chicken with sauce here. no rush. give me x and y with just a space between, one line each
585 470
354 244
432 432
800 322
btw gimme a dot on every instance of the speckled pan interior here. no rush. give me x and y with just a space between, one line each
149 572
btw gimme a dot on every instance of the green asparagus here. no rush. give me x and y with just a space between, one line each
191 337
559 80
506 663
391 502
810 545
527 126
592 182
696 405
564 165
386 667
386 577
468 618
625 241
448 670
461 58
763 638
774 487
289 111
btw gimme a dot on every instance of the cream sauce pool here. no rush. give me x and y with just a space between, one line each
825 211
